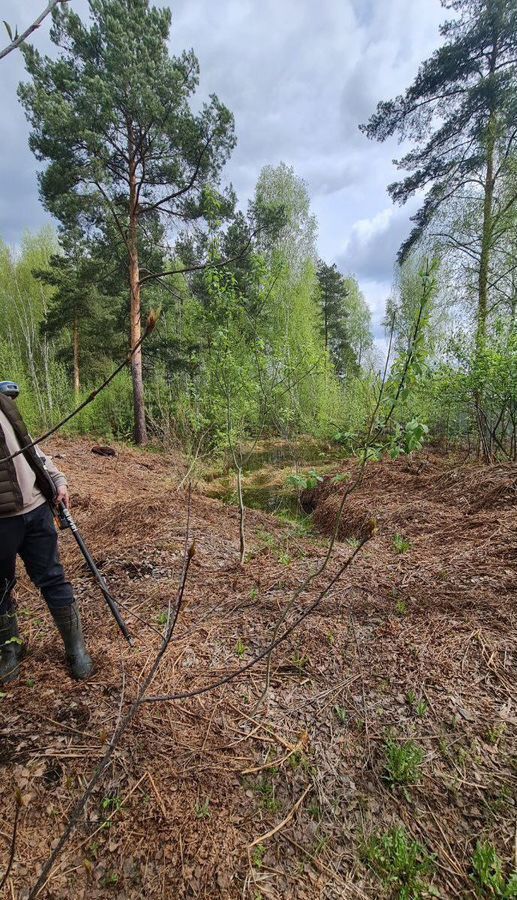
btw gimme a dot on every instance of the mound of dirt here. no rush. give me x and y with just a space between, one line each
230 794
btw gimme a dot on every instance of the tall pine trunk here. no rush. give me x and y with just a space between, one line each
485 438
77 364
136 307
486 239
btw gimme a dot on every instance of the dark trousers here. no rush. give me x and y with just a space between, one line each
33 537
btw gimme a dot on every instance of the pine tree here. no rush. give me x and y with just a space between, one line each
111 116
333 294
460 112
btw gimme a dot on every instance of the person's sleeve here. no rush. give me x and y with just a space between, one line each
57 477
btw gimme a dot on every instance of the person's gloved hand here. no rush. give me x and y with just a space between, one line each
63 496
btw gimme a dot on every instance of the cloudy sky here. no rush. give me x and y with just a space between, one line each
299 76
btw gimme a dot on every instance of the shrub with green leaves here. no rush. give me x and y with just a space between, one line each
305 482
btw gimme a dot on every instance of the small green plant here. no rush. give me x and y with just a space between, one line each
240 648
403 761
162 618
400 862
303 527
110 879
93 849
341 714
258 856
254 593
489 875
265 788
285 558
320 845
419 706
346 438
110 805
495 732
14 640
267 538
353 542
401 544
113 804
331 638
299 760
401 608
421 709
341 477
315 811
299 661
203 810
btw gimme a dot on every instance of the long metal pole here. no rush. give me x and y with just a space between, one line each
67 521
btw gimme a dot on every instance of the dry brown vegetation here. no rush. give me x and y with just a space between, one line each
416 643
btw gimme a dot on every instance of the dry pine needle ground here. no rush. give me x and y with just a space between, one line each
417 642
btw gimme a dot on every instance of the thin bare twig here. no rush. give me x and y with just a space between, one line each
125 721
289 816
19 39
186 695
12 849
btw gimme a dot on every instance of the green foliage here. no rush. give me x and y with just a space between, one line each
341 714
451 141
299 661
202 810
345 321
305 482
257 857
239 350
489 875
419 706
401 544
402 863
403 761
240 648
265 788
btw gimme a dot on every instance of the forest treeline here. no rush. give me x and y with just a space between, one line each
256 335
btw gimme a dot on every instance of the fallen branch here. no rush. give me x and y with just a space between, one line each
125 721
298 747
283 823
12 849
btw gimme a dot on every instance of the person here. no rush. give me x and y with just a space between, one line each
30 487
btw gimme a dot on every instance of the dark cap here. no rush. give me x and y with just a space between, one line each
10 389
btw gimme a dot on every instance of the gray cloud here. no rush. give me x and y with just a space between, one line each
371 248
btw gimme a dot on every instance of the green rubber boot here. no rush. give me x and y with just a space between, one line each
68 622
11 647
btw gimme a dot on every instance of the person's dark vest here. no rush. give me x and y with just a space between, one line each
11 499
